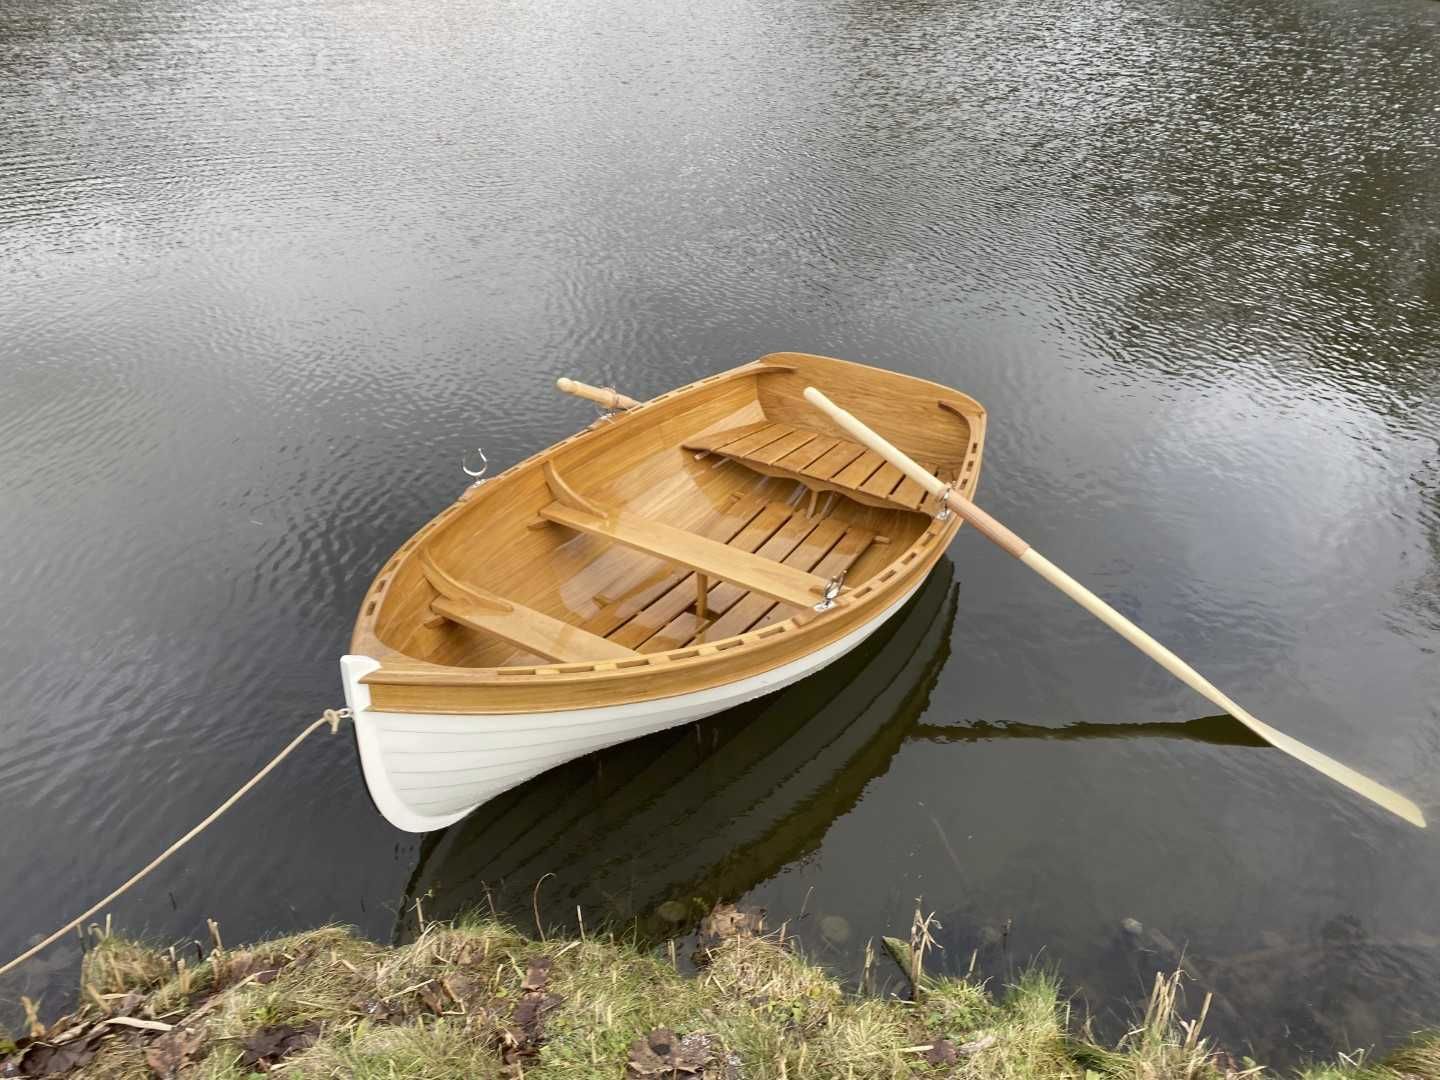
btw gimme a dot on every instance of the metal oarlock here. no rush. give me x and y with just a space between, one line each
832 590
945 511
479 473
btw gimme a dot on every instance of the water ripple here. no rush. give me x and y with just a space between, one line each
267 269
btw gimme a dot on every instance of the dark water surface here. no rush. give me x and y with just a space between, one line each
268 267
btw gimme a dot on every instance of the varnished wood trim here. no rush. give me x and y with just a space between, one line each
954 410
564 493
447 585
530 630
859 603
405 685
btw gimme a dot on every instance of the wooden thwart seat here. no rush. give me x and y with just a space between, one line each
820 462
533 631
524 627
753 572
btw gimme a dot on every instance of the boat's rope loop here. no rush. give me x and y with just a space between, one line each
330 717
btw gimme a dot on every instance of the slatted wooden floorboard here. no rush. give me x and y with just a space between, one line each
822 462
663 615
663 608
826 552
723 595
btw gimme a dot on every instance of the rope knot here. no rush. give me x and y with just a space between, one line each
334 716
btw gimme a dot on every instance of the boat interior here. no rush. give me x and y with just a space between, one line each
720 509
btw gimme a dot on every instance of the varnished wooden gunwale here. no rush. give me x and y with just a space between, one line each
409 684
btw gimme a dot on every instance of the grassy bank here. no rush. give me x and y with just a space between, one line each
481 1000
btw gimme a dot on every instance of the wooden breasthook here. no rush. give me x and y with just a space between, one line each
690 553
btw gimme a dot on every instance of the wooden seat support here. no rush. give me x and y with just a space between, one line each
523 627
753 572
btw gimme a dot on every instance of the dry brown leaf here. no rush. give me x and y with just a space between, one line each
942 1052
44 1058
174 1050
537 974
726 921
661 1054
269 1046
431 998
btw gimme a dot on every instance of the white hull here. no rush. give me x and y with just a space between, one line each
428 770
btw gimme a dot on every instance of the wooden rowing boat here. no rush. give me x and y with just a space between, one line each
688 554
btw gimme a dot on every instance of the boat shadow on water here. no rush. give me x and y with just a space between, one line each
648 835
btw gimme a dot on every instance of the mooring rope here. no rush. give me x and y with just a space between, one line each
331 717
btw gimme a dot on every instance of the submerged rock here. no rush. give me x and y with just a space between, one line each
673 911
835 928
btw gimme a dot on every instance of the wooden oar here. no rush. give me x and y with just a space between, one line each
998 534
604 396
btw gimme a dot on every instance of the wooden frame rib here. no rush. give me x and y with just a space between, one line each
564 493
523 627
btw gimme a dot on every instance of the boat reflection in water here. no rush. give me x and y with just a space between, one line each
652 832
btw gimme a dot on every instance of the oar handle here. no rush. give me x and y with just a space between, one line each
988 527
993 530
605 396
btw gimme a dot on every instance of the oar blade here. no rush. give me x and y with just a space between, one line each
1342 774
